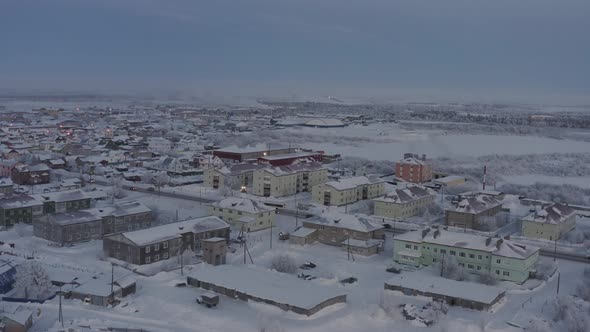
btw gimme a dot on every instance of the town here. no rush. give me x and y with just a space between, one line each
180 218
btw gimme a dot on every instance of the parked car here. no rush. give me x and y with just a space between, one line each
349 280
208 299
307 266
283 236
304 276
393 269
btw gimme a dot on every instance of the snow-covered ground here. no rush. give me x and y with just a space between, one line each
159 306
580 181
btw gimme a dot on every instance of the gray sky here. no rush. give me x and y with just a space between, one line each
521 49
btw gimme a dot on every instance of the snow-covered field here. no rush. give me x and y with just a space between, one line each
580 181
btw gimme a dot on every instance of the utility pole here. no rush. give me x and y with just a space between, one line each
555 250
558 281
60 316
112 282
271 234
296 212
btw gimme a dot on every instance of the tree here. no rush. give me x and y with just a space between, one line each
31 281
487 279
450 269
284 263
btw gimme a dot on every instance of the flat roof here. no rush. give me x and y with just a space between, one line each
265 284
458 289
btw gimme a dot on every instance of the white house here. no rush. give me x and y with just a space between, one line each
244 212
403 203
347 191
288 180
549 223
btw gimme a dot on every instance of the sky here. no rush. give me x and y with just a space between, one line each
536 49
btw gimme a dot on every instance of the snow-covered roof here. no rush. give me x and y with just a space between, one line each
6 182
457 289
240 168
96 287
281 156
63 196
345 221
496 246
242 204
553 214
361 243
173 230
353 182
73 217
325 122
303 232
262 147
18 201
294 168
121 209
406 195
476 204
264 284
20 315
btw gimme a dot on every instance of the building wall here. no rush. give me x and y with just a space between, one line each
348 196
262 220
548 231
473 261
121 224
468 220
413 172
287 184
409 209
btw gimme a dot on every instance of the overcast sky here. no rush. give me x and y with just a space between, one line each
363 47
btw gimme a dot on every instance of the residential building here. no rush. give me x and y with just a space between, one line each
501 258
19 319
549 223
85 225
348 190
64 201
6 186
162 242
404 203
414 168
244 213
289 158
470 211
30 175
288 180
234 176
18 208
360 235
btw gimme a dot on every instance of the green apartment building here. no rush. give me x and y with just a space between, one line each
16 209
502 258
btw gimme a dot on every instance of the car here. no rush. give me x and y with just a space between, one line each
393 269
349 280
304 276
133 188
283 236
307 266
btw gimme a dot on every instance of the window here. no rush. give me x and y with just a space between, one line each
478 267
415 247
147 249
498 272
434 260
453 252
462 254
479 257
408 246
498 261
165 245
471 256
148 259
156 247
435 250
156 258
506 273
462 264
165 256
470 266
443 251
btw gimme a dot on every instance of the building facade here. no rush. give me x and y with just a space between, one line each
501 258
404 203
549 223
414 168
288 180
163 242
348 191
471 211
16 209
30 175
244 213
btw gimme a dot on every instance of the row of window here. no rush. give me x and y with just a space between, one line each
156 247
148 259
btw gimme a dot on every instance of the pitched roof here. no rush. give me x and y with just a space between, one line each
242 204
353 182
406 195
553 214
345 221
476 204
294 168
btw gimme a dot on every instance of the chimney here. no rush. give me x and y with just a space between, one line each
436 233
425 231
424 157
488 241
499 243
407 155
